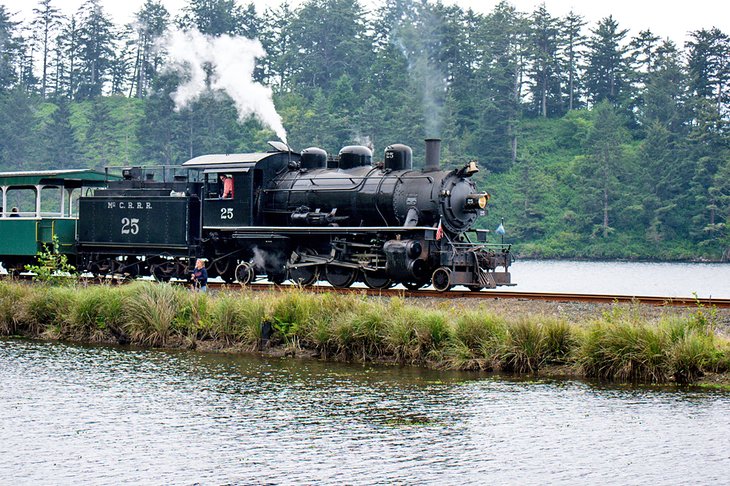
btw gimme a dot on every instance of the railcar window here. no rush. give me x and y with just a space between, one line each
51 201
23 198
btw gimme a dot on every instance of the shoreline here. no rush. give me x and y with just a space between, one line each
620 343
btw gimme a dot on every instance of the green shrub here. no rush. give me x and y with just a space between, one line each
150 312
97 312
691 355
193 319
12 299
624 351
524 348
477 337
368 327
237 320
560 340
432 333
399 336
45 308
52 266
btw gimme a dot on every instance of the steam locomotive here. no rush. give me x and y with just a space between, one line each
299 216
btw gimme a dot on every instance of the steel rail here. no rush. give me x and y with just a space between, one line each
498 294
721 303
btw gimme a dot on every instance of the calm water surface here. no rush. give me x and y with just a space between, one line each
75 414
623 278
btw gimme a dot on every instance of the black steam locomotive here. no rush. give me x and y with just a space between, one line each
300 216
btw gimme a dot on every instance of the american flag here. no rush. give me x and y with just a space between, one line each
439 231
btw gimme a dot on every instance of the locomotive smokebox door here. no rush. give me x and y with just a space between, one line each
230 212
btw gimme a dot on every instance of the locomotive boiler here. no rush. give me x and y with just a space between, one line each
300 216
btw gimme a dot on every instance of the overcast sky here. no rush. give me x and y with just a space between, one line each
666 18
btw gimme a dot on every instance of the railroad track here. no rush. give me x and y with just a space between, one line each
498 294
484 294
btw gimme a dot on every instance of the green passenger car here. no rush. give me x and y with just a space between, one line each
35 206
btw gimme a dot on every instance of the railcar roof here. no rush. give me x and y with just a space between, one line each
33 177
230 160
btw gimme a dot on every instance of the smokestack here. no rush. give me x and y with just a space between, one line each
433 154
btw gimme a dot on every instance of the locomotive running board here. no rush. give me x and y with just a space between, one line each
259 230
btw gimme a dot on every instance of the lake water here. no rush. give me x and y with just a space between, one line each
623 278
619 278
106 415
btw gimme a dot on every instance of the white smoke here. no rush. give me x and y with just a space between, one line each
430 81
230 61
259 259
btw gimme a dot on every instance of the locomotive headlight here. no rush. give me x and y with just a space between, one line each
475 202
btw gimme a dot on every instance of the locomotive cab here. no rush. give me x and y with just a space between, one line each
228 212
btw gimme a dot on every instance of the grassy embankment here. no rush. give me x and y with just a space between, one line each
616 345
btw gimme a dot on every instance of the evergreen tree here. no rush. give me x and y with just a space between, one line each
8 50
720 193
276 38
67 77
163 133
709 67
663 156
642 58
325 53
708 147
215 17
494 141
18 145
603 168
59 139
98 139
150 22
607 70
543 38
96 49
121 65
571 55
46 22
26 61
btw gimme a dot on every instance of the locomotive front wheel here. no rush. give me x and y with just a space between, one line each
377 280
340 277
245 274
441 279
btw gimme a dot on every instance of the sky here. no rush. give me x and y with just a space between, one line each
666 18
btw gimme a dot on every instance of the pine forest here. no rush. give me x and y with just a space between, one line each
592 143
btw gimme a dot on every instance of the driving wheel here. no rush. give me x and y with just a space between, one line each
377 280
340 277
304 275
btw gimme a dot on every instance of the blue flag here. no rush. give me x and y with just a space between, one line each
500 229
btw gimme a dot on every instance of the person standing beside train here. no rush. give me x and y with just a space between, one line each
200 276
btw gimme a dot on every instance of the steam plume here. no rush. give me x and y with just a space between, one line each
227 64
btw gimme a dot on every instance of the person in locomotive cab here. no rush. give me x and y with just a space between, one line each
14 213
227 184
200 276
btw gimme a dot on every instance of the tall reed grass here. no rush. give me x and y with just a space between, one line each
618 345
